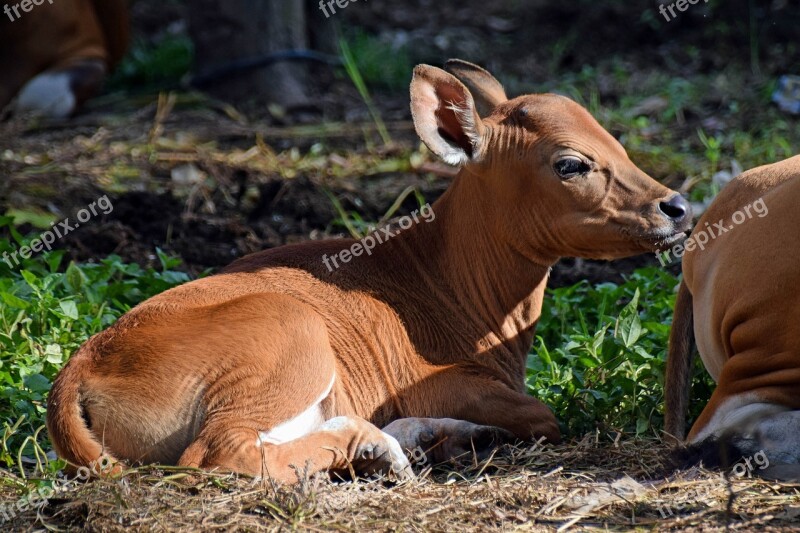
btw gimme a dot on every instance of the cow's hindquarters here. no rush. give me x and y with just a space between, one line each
170 385
744 283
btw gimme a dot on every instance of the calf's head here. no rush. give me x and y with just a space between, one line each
552 182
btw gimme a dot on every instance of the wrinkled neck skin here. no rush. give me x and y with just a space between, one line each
469 281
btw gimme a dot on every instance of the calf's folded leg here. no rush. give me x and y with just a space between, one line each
339 444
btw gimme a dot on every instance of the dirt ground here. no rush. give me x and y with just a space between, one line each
211 188
582 485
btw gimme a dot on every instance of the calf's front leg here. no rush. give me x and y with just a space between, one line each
468 394
446 439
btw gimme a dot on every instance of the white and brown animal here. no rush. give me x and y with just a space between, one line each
739 306
278 362
55 54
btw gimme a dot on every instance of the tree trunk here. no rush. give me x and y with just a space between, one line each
228 32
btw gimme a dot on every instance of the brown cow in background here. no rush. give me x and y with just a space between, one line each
55 54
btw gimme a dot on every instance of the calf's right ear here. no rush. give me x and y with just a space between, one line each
445 116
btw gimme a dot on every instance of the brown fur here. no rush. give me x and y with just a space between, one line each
436 323
679 365
58 36
739 295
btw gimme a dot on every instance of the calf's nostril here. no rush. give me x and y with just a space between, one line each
676 208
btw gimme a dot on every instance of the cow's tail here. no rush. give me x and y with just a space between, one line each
678 378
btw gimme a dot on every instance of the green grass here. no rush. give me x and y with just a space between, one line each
47 310
599 357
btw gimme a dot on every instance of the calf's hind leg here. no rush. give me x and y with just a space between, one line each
338 444
261 415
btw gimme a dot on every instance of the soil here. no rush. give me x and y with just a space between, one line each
582 485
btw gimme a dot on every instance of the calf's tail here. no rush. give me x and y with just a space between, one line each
69 432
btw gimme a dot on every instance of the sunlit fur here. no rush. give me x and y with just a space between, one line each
436 323
739 303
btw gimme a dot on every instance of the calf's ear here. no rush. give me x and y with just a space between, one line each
486 90
445 116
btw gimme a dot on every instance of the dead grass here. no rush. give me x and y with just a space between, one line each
581 485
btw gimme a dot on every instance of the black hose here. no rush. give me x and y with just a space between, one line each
240 66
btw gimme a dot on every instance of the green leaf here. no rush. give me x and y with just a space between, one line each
53 354
596 394
13 301
37 383
74 278
69 309
30 278
54 259
599 337
629 326
36 218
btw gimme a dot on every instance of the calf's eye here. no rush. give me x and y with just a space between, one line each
570 166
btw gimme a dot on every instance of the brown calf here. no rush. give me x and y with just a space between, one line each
54 54
279 361
738 304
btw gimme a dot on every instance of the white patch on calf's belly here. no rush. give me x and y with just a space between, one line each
337 424
303 424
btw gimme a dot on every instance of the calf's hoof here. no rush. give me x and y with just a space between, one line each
377 454
436 440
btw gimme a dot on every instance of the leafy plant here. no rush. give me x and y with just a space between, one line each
598 360
154 65
713 148
48 309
